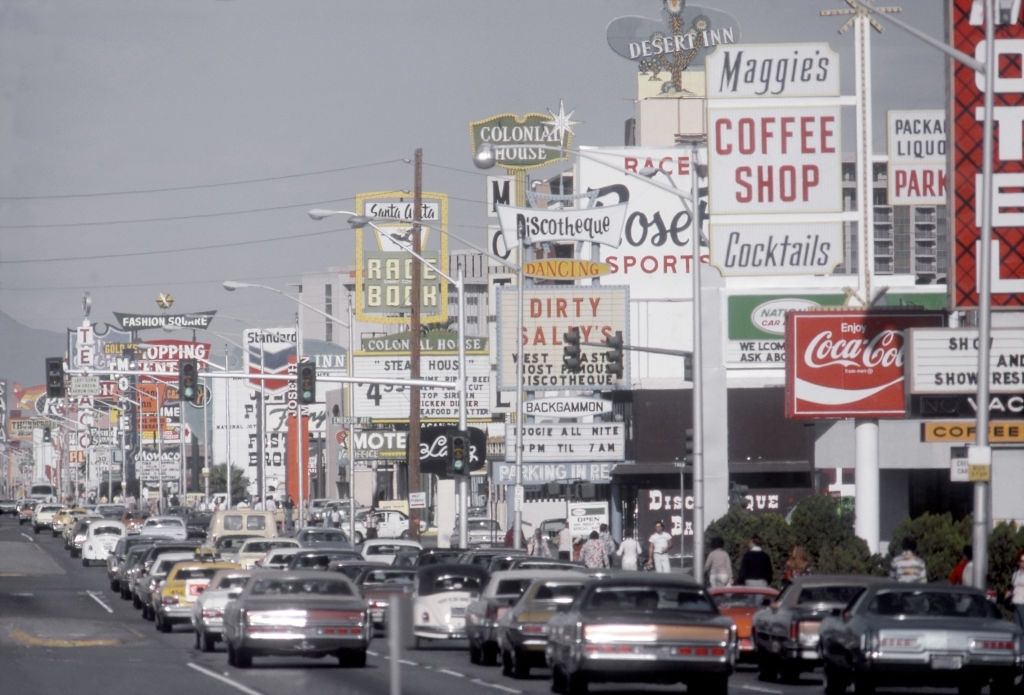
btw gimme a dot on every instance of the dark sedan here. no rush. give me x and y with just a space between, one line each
320 558
381 586
639 627
297 613
921 635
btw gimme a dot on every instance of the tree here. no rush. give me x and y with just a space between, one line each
1004 543
940 540
239 483
739 524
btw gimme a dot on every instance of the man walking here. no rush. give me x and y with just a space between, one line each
755 565
718 566
908 567
565 543
629 551
658 548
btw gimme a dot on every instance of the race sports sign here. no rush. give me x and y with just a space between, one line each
966 103
533 225
848 364
549 313
917 157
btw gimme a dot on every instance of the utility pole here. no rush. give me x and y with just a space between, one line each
413 437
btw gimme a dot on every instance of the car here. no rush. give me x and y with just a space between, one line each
185 582
503 589
114 512
79 531
740 603
128 570
169 526
381 586
521 631
640 627
208 608
277 559
482 557
351 568
383 550
297 613
66 516
42 516
514 561
479 532
148 584
196 523
25 509
786 632
133 520
319 505
434 556
255 549
136 589
69 527
389 523
100 540
8 506
920 635
320 558
312 536
119 555
440 597
227 546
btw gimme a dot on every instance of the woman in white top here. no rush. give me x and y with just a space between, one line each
1016 591
629 551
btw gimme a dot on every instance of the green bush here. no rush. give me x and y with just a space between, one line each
823 525
940 541
1004 543
739 524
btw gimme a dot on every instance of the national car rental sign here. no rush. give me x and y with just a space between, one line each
843 364
1007 271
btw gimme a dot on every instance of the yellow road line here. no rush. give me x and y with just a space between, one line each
22 637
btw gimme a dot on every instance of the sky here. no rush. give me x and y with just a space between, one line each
150 146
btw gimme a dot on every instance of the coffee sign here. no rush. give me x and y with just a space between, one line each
843 364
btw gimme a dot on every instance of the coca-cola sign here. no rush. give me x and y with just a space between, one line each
842 364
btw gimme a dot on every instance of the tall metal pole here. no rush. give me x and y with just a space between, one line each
159 447
415 298
261 444
206 441
182 487
698 377
300 446
350 411
982 454
464 480
124 465
227 418
517 541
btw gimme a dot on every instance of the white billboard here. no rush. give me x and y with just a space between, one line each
773 249
596 225
917 157
772 70
549 313
944 361
597 441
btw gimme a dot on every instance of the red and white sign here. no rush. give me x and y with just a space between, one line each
781 159
842 364
1007 270
917 157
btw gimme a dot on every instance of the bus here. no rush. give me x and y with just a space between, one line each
43 491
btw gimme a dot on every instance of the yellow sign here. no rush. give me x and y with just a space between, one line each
999 432
565 269
978 474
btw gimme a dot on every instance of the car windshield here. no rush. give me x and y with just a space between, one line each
837 595
267 587
382 549
106 530
325 536
931 603
452 582
231 542
168 521
739 599
511 587
264 546
389 577
194 573
649 598
111 511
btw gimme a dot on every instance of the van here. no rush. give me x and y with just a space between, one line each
241 521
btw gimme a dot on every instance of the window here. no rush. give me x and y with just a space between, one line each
233 522
828 594
255 523
652 598
559 593
512 587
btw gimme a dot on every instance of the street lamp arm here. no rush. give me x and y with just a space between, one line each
408 248
232 285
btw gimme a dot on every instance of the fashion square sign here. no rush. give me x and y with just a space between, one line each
842 364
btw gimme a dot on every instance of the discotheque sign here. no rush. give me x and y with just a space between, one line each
601 225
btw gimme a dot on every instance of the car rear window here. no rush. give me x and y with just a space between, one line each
642 598
511 587
559 593
106 531
388 577
326 536
452 582
838 595
325 586
255 523
381 549
194 573
232 522
939 604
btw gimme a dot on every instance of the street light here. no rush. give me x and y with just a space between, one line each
486 157
356 221
231 286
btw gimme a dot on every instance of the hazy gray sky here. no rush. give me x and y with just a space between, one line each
100 100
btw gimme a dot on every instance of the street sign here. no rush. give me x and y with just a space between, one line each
417 500
83 386
958 472
347 420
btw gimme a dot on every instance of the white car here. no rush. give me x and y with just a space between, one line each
166 526
277 558
383 550
208 609
43 515
100 539
255 549
441 595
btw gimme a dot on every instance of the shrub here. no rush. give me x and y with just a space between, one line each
818 525
940 541
739 524
1004 543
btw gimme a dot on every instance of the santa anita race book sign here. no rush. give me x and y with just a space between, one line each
843 364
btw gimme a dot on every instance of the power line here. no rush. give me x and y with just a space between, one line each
198 186
165 283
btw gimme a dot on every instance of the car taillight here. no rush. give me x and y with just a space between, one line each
994 645
900 643
378 603
169 600
533 629
212 613
425 617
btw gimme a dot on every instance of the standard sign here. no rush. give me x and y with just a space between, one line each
1002 432
917 157
602 225
598 312
599 441
566 407
944 361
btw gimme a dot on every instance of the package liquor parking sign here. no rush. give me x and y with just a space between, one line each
843 364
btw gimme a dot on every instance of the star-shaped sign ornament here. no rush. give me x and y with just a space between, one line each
164 300
562 121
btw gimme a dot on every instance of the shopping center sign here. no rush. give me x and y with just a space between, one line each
1007 247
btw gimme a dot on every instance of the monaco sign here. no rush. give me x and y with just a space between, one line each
842 364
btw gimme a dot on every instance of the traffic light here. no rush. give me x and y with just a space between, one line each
614 356
458 453
55 387
188 380
689 442
306 378
47 437
571 352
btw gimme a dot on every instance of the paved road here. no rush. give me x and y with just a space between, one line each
63 631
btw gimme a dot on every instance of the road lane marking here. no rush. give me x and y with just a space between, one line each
98 600
23 638
372 653
406 662
223 679
496 686
756 689
451 673
30 538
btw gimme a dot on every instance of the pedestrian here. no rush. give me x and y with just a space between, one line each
755 565
565 543
908 567
538 545
609 543
797 564
960 570
658 548
1016 591
629 551
174 500
289 519
257 506
371 526
335 515
718 565
593 552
